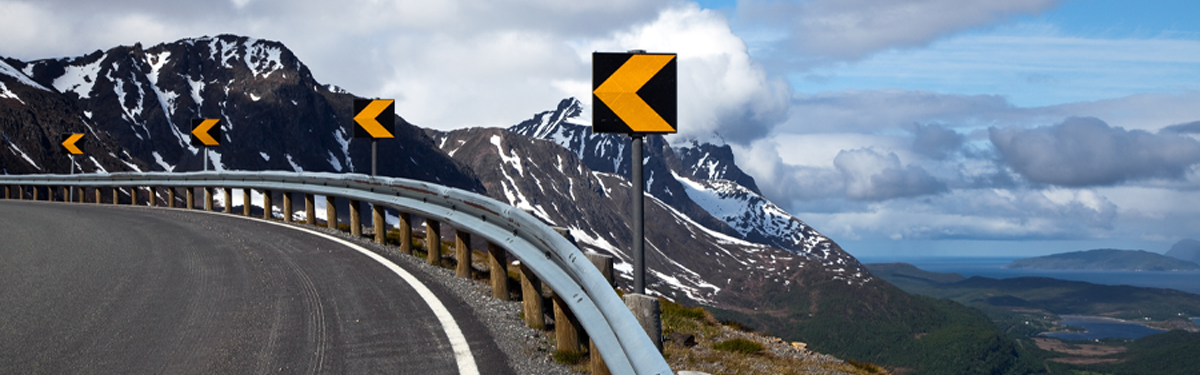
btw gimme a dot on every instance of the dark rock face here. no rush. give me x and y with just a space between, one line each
711 162
32 119
275 115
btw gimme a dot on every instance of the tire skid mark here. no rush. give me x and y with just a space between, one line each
316 317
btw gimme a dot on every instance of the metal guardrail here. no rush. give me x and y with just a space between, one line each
619 338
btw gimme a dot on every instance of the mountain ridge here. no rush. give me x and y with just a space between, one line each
1106 260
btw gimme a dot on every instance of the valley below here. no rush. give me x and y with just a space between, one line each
1073 325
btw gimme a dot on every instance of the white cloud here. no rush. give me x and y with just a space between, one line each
851 29
870 175
978 214
721 89
1085 151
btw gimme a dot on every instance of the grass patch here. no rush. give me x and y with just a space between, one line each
674 309
739 345
737 325
870 368
568 358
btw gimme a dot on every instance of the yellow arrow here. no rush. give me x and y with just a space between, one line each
201 132
367 120
619 93
70 144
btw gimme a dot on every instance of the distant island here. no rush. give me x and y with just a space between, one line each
1186 249
1105 260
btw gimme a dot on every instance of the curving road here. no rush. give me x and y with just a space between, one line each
104 289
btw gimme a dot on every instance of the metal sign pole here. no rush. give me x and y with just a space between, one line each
71 195
206 158
639 236
374 148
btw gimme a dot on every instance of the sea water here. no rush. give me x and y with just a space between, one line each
1187 281
1099 328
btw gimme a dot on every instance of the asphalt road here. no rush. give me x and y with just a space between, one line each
103 289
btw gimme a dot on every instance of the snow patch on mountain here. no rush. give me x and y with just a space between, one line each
79 79
263 58
22 77
17 151
333 161
5 93
162 163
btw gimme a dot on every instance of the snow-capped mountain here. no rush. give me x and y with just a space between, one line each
706 174
706 161
684 258
275 115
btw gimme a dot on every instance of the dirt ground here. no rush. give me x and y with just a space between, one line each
1086 350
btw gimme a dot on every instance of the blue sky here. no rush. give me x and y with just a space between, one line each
1079 51
897 128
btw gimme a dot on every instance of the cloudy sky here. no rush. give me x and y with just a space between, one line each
898 128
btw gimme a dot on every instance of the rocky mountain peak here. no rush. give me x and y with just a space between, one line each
274 114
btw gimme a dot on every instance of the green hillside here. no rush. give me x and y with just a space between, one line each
1039 293
884 325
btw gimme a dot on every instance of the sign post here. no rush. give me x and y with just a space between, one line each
205 133
375 119
635 93
69 141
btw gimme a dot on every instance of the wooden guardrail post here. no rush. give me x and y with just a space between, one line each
20 192
355 219
287 206
153 196
246 201
267 210
405 227
228 200
498 266
66 193
646 310
133 195
462 253
531 298
604 263
35 192
566 327
433 241
190 193
378 222
208 198
310 209
7 191
331 212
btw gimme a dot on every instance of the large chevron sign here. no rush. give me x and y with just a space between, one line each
206 132
375 118
634 93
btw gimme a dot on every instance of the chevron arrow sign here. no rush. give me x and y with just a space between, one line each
634 93
69 142
375 118
206 132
